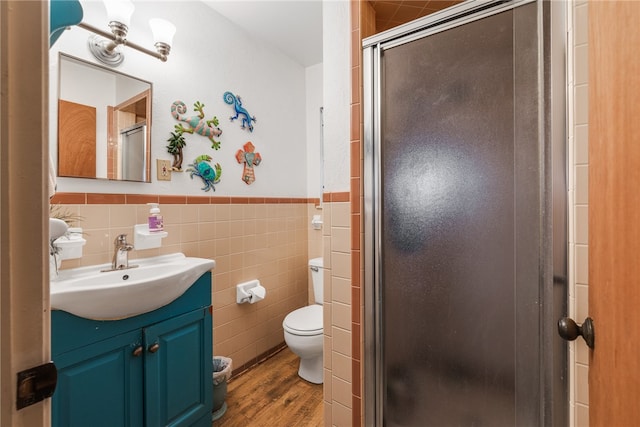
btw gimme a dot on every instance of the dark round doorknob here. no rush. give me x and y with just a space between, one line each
570 330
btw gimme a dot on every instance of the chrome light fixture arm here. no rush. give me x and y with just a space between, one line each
103 44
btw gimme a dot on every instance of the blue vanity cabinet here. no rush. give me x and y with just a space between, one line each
176 389
150 370
100 384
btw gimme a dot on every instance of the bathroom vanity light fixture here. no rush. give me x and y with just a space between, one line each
105 46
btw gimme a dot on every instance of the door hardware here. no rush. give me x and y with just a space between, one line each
570 330
36 384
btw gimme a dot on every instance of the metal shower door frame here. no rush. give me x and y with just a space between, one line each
554 241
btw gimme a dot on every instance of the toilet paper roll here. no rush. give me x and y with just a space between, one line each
257 294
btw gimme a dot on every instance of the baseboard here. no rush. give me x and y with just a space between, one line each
237 371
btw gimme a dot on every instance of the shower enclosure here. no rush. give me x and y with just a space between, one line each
132 153
465 218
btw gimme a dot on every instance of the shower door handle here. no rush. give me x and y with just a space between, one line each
570 330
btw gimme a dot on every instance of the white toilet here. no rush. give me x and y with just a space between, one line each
303 329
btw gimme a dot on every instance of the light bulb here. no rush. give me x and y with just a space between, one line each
163 31
119 11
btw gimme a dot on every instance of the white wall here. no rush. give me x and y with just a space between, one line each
337 94
314 143
210 55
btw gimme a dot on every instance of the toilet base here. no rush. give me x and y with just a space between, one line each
311 369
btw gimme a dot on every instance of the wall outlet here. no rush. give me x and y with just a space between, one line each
164 170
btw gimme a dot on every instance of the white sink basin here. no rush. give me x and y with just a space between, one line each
87 292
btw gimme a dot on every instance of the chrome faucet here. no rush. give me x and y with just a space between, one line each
121 253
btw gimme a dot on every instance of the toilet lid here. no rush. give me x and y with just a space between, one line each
304 321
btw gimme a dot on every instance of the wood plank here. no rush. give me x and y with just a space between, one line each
614 219
272 394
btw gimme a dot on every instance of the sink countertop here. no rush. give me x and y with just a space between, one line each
90 293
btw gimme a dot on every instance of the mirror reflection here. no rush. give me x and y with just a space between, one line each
104 123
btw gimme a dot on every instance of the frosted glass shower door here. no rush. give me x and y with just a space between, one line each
460 213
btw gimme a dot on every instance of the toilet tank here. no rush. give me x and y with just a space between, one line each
317 280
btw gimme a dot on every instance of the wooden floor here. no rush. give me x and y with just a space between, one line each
273 395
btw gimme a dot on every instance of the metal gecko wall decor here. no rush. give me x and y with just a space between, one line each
250 159
197 124
234 100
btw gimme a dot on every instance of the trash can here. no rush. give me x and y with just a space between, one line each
221 374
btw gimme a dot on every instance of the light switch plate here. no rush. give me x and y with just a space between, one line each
164 170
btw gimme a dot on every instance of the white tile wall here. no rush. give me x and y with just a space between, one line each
578 77
337 325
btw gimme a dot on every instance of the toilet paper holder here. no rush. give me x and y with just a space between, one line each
251 292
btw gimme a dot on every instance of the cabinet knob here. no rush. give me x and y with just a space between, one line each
153 348
137 352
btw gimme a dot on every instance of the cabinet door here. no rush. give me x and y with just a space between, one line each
100 384
178 370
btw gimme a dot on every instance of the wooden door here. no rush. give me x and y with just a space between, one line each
24 229
614 212
76 140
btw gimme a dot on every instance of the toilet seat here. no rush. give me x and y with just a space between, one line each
304 321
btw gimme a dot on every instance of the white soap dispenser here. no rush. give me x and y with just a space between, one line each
155 218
